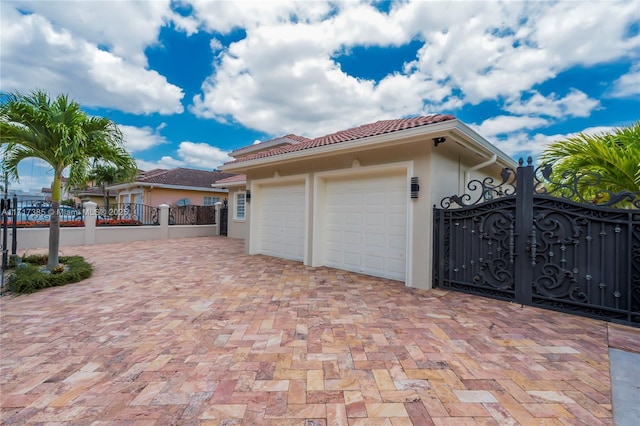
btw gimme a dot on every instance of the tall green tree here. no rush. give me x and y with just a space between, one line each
58 132
104 175
614 157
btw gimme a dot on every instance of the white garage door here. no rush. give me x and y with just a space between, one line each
281 221
366 225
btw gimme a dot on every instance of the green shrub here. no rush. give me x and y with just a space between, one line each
30 277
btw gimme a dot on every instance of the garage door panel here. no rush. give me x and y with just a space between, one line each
351 238
375 219
375 263
375 240
352 258
397 267
353 218
365 225
397 242
281 221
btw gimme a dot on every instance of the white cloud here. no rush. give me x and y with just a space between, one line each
166 162
504 124
38 53
519 144
628 85
575 104
283 76
125 28
197 155
224 16
215 44
141 138
202 155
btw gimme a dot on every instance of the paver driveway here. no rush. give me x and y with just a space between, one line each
192 331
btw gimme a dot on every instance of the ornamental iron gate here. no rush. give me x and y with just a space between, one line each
524 240
224 217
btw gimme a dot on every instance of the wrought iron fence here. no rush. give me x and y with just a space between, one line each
543 243
127 214
192 215
28 214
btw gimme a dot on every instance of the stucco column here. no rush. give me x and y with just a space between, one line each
90 213
164 221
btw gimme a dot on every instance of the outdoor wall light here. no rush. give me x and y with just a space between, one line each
438 141
415 188
248 196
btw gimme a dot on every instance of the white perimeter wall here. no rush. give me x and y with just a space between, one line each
90 234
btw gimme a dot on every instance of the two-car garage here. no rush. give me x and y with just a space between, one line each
359 221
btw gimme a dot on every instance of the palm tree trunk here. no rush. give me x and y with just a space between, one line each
54 223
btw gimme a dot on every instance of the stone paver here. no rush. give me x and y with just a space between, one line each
192 331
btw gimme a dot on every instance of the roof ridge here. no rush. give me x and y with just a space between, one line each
359 132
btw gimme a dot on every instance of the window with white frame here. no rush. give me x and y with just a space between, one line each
210 201
240 206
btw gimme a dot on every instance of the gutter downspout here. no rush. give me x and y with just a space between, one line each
490 161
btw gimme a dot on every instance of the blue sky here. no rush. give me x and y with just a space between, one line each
190 81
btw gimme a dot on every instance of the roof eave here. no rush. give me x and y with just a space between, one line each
163 185
454 127
238 183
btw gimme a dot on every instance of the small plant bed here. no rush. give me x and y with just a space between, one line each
29 273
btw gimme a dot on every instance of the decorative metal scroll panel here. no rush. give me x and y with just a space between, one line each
481 191
586 260
582 186
192 215
127 214
539 246
478 249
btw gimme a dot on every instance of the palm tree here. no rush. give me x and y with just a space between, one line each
613 157
60 133
104 175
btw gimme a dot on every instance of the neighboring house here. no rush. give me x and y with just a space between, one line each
160 186
65 194
344 200
47 192
96 195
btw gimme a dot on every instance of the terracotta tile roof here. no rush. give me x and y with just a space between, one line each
92 190
232 179
142 173
364 131
289 139
297 138
183 177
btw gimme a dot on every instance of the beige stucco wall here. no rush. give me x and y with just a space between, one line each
440 170
157 196
236 228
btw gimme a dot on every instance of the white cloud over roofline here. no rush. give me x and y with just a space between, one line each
283 78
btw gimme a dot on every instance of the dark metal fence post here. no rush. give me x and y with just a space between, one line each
224 217
438 259
525 257
14 227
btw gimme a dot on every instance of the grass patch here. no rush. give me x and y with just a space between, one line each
30 274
